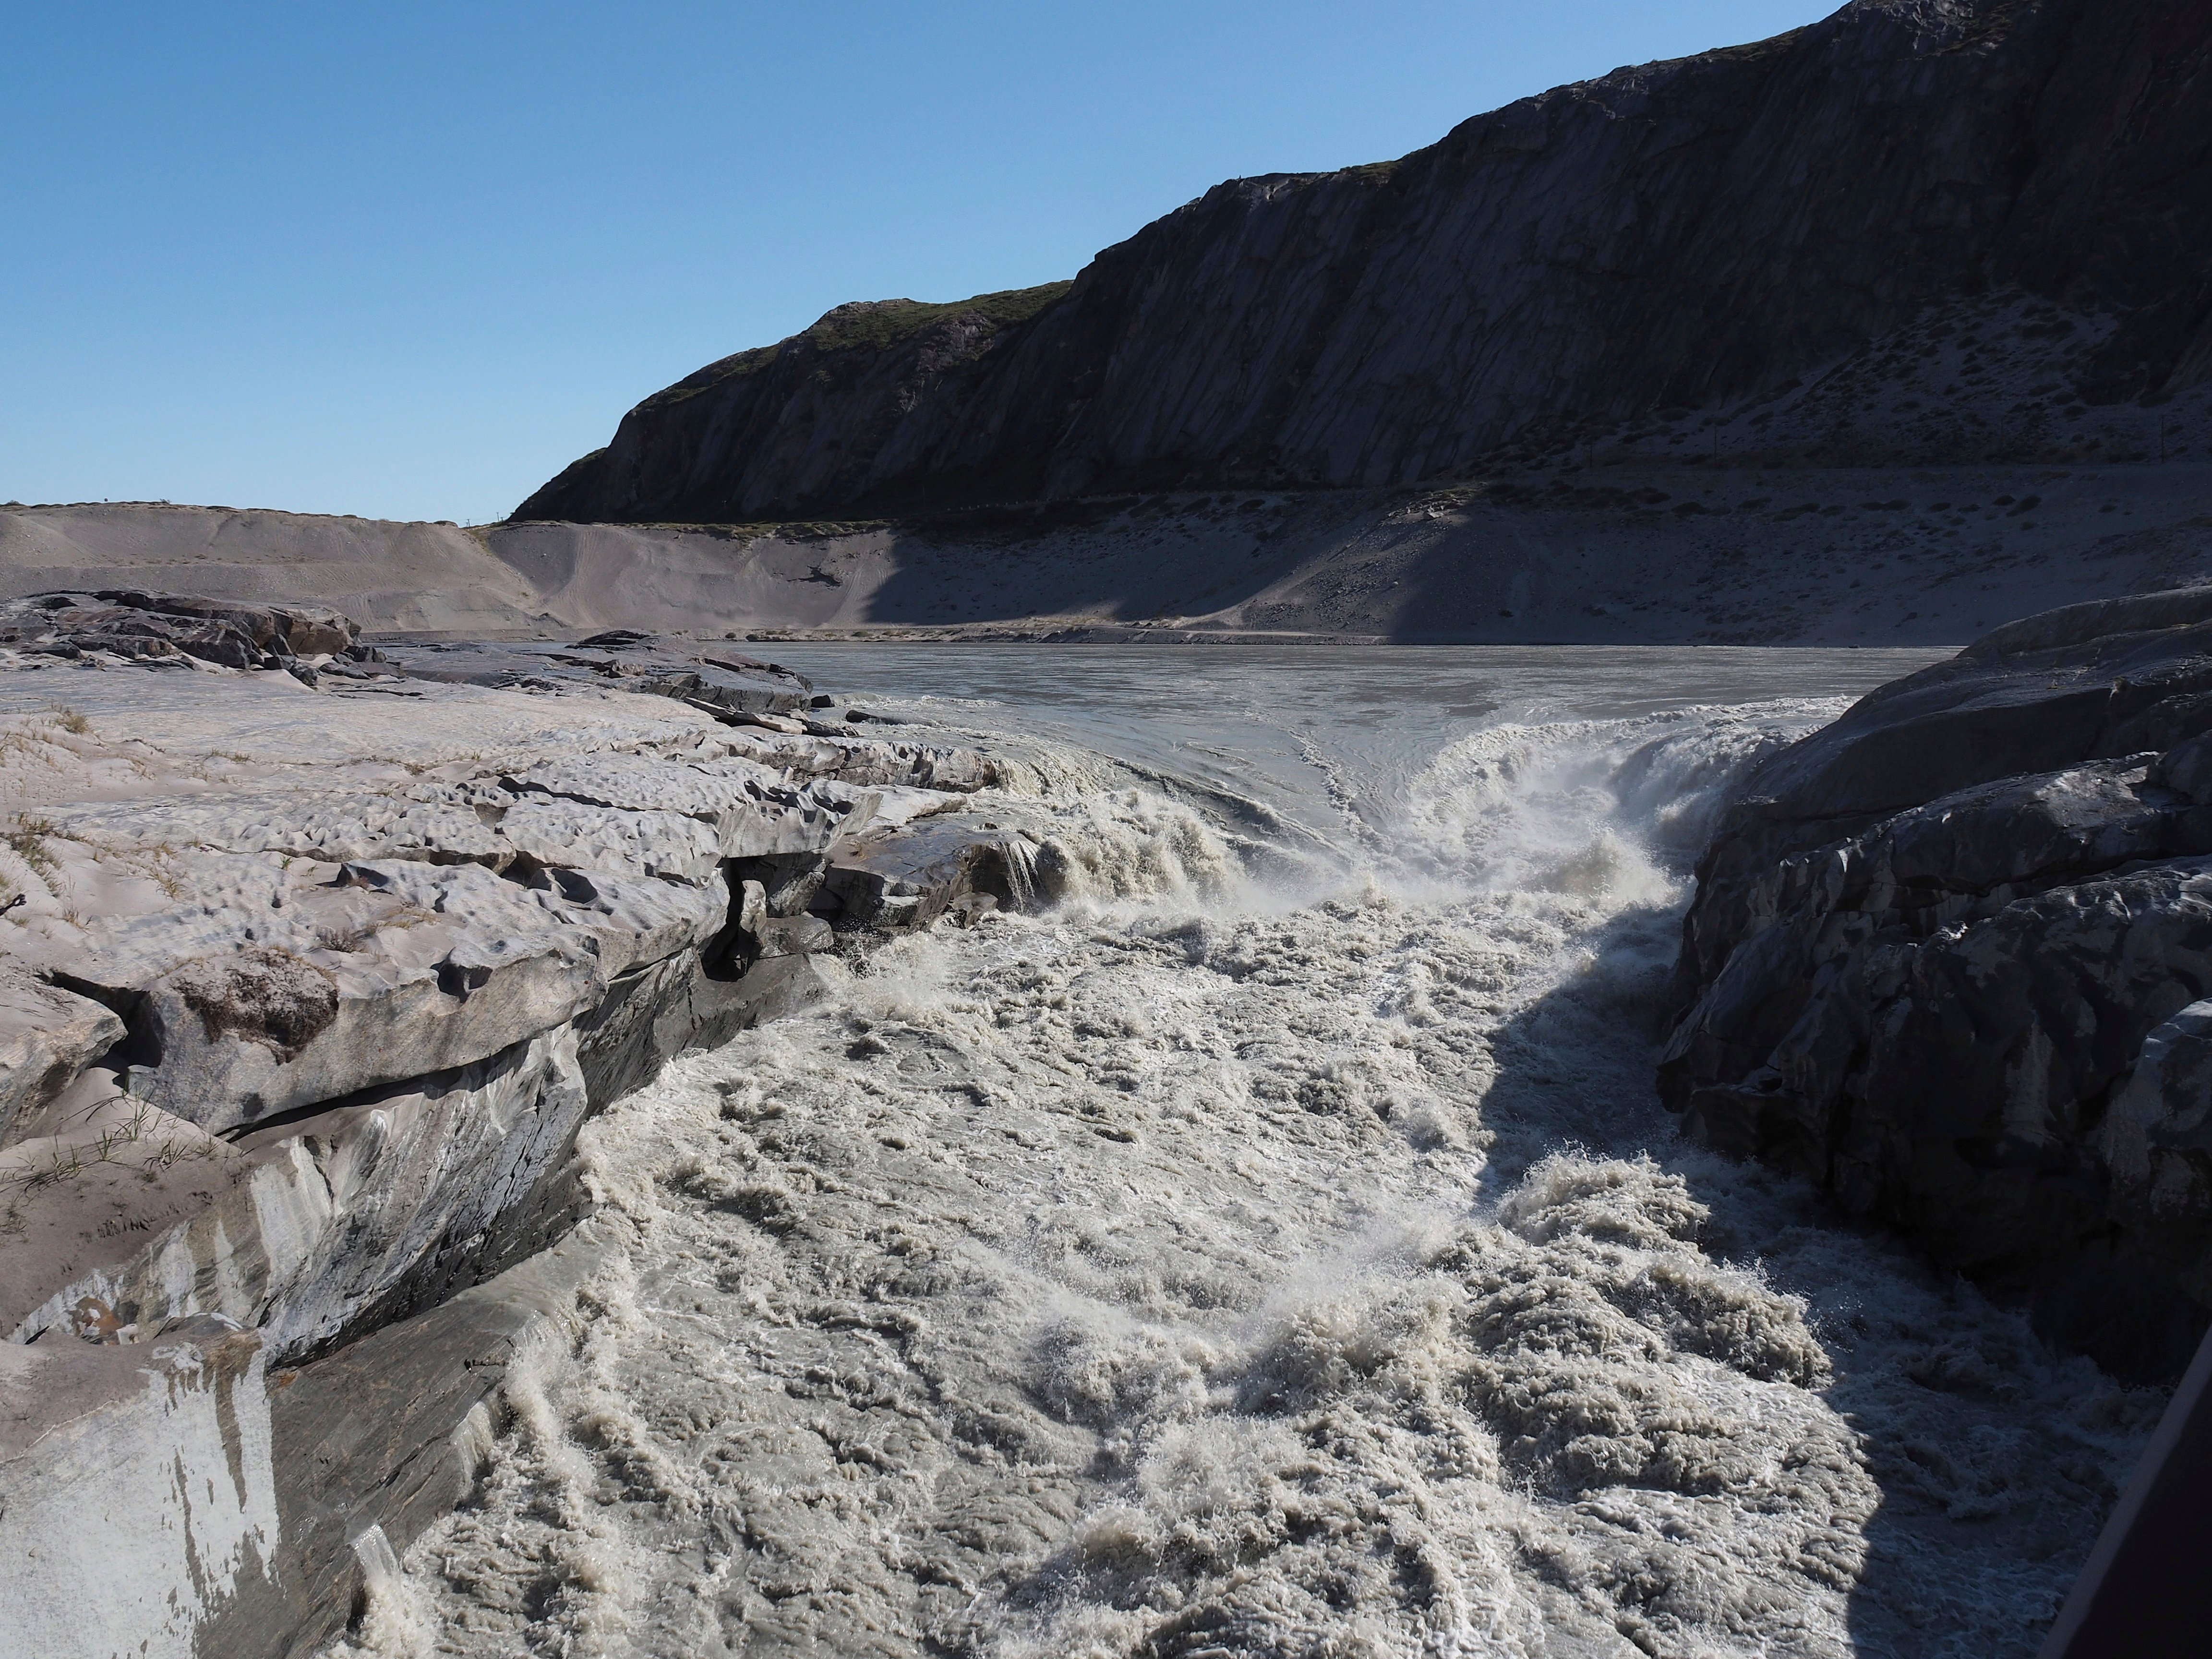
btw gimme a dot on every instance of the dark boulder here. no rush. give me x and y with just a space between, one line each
1938 943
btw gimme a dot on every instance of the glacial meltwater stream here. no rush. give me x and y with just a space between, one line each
1276 1246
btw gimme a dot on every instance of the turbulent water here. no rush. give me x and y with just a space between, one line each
1275 1247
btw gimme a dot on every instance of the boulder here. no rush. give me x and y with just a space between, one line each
789 936
47 1037
1940 961
2112 679
751 811
787 881
907 875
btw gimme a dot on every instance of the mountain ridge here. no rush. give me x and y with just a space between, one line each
1674 235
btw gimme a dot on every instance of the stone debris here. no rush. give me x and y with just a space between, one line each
166 628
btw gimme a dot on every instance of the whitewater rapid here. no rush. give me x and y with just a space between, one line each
1273 1248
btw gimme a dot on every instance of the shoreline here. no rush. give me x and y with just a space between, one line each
1647 553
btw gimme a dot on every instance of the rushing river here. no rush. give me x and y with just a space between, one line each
1277 1247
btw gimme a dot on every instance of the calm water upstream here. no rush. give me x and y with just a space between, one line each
1275 1247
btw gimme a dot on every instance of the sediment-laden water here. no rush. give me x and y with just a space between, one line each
1277 1247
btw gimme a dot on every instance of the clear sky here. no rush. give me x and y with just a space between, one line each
409 260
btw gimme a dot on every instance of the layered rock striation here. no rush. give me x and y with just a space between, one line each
1682 234
310 974
1951 957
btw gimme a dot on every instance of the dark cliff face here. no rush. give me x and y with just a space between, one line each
1680 234
1950 959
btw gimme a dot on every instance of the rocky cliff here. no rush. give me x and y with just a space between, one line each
1700 233
1950 958
314 963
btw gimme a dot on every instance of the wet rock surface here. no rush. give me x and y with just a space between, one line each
1948 956
314 963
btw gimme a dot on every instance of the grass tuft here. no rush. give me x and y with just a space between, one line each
28 840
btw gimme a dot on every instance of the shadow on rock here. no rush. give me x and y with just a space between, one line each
1946 1472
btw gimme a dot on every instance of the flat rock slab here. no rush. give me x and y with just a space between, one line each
751 811
718 681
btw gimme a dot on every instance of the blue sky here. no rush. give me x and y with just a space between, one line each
408 261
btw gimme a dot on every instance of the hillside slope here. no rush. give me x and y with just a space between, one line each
1703 233
386 576
1633 551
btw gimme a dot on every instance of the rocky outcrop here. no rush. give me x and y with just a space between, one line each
718 681
312 966
184 1497
125 623
1949 958
1691 233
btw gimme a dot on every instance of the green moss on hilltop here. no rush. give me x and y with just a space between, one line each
728 369
872 326
863 325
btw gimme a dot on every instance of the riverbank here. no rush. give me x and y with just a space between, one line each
1630 551
1191 1141
314 964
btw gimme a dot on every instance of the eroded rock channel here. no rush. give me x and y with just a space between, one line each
595 1147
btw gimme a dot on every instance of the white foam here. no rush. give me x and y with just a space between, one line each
1595 809
1214 1267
